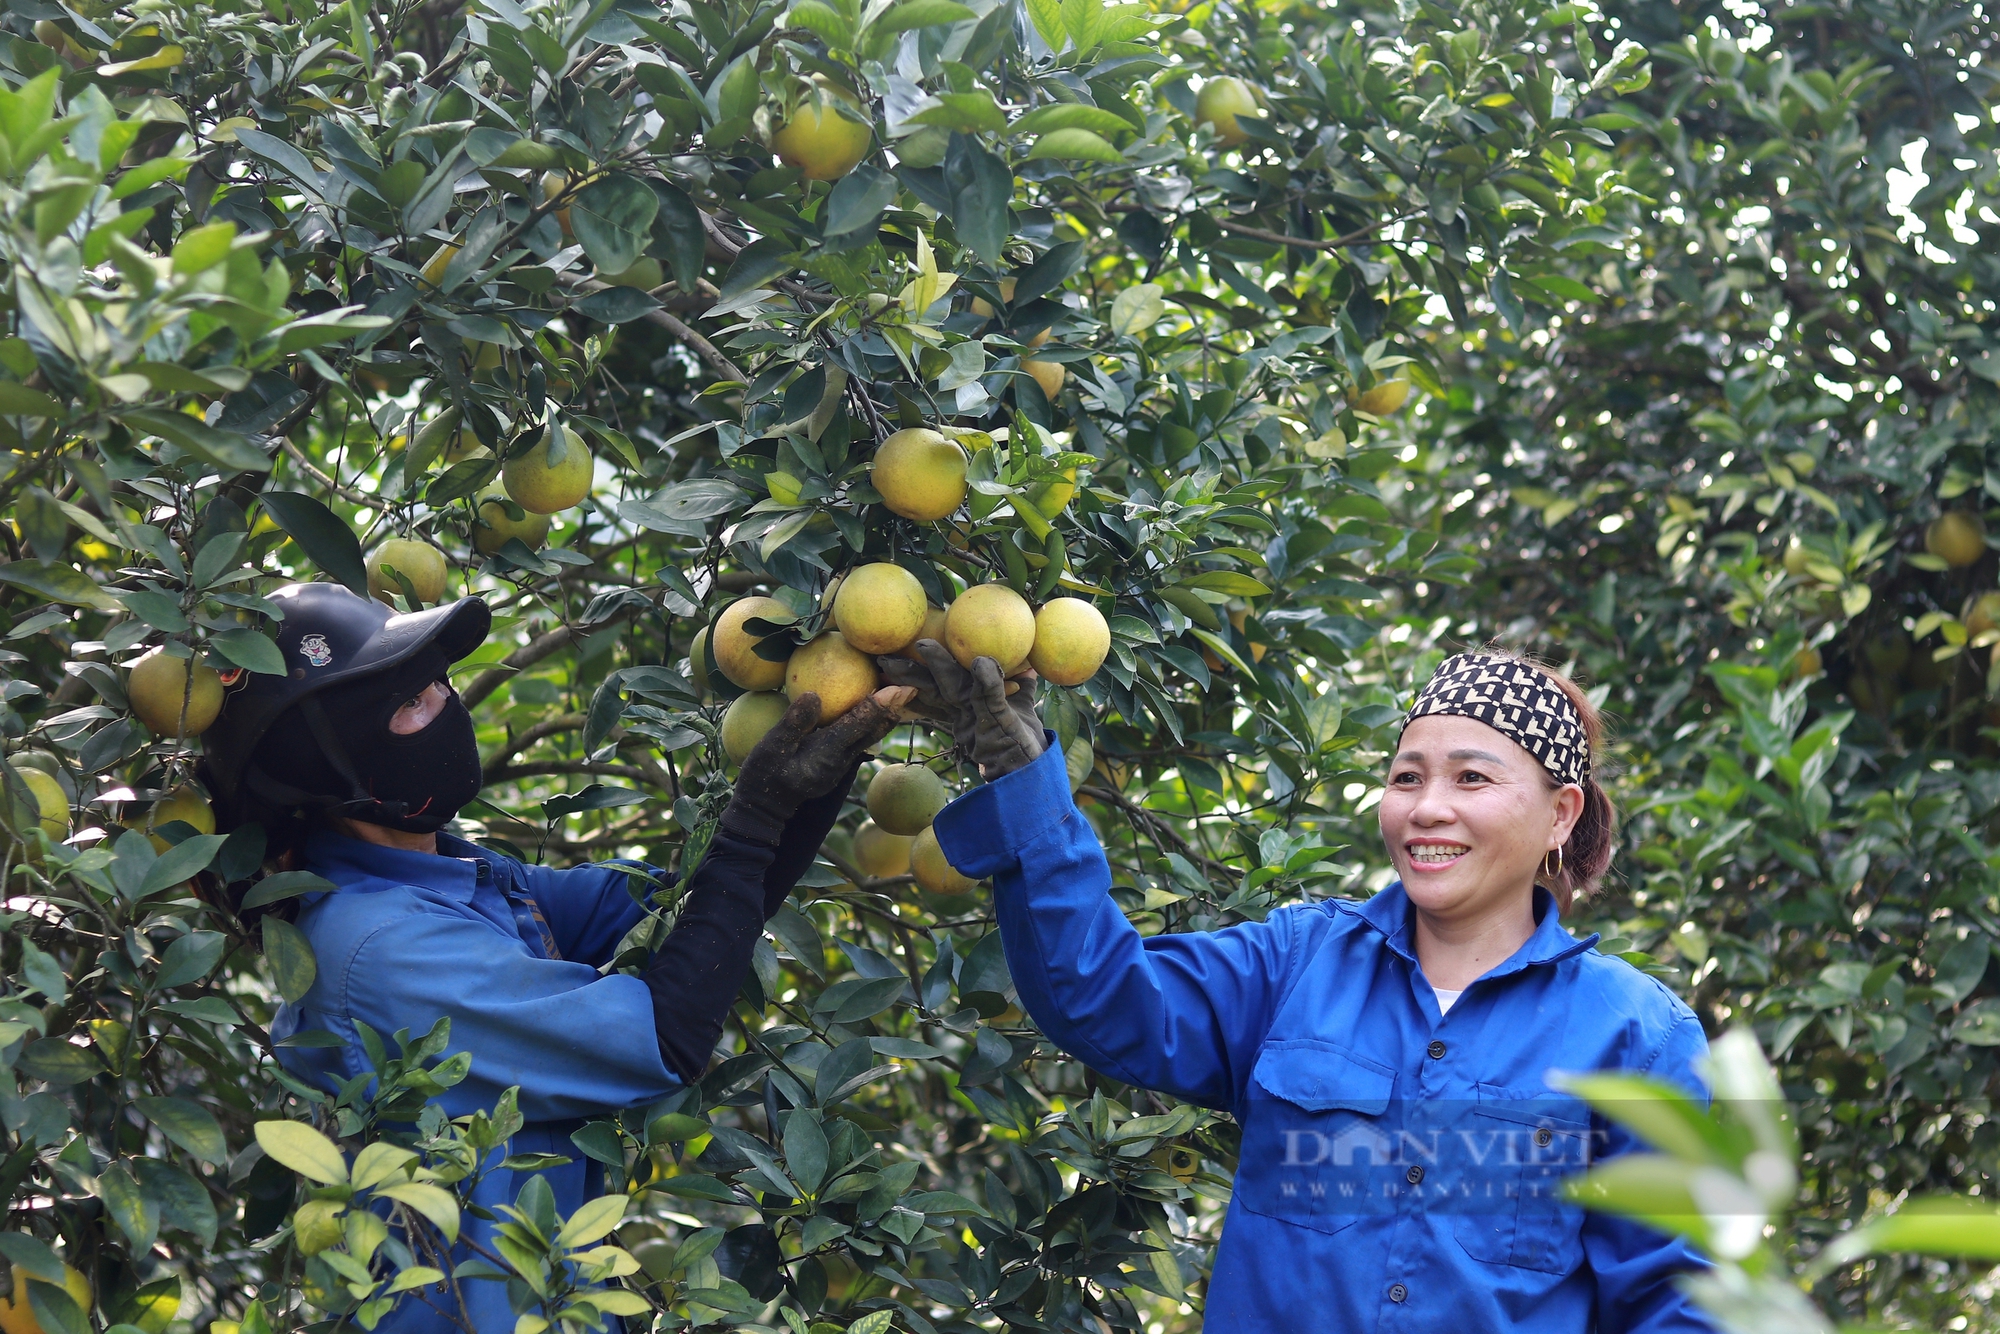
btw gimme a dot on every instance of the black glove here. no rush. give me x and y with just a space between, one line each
1000 732
796 762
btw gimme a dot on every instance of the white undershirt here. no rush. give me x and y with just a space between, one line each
1447 999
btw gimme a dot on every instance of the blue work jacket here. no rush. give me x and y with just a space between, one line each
510 953
1399 1167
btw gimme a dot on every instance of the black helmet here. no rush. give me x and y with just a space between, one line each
330 635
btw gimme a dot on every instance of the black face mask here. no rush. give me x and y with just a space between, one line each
415 783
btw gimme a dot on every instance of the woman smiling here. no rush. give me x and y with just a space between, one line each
1389 1061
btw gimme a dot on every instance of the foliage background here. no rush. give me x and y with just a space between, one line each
1699 313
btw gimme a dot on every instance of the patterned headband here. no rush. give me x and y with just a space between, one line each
1514 698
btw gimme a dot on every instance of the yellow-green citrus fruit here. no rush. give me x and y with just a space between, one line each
903 798
1796 558
698 660
1958 538
920 474
880 853
497 526
830 667
553 184
823 144
51 802
1240 618
644 275
1050 375
155 688
736 648
1178 1162
18 1317
1072 640
984 308
655 1256
185 804
440 259
419 562
879 608
933 628
541 488
1806 662
1052 497
1384 398
748 718
933 872
1982 615
990 621
1888 652
1218 105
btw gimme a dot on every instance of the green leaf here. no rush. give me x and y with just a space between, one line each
613 221
17 400
181 862
970 113
616 305
59 1062
1047 17
225 451
59 583
202 248
1978 1024
1227 582
922 14
327 542
1070 116
1075 145
757 263
1947 1225
298 1146
593 1221
319 330
191 958
432 1202
805 1150
290 954
281 885
858 200
187 1124
250 649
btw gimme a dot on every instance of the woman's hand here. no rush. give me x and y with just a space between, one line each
797 761
993 719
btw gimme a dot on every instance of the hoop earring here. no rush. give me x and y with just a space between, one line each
1548 874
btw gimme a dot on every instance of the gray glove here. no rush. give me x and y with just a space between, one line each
998 731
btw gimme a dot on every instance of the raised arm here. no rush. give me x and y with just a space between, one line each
1184 1014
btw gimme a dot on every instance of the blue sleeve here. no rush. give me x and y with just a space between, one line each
588 908
575 1043
1636 1266
1183 1014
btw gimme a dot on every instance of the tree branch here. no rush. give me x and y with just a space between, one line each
1305 243
542 730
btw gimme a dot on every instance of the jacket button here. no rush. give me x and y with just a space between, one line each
1397 1292
1436 1049
1544 1137
1415 1175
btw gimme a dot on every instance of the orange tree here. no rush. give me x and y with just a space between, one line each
602 312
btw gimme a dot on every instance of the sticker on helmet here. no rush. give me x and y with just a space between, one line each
315 649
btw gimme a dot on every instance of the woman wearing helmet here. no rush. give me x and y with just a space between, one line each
1389 1061
356 759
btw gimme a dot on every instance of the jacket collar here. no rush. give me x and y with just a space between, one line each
1390 913
361 867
